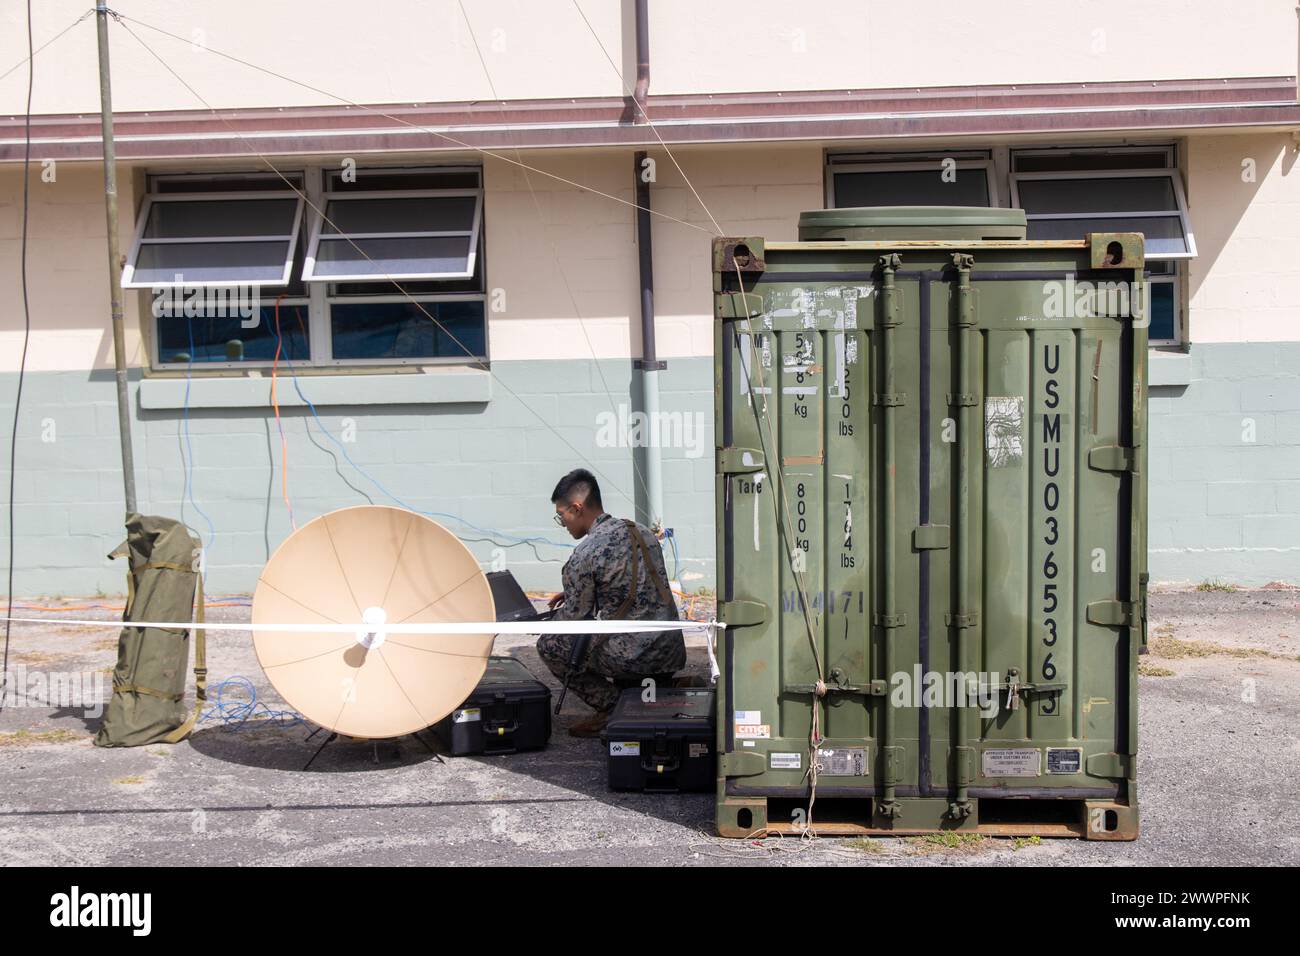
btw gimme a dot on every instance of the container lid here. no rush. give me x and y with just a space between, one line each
672 707
912 222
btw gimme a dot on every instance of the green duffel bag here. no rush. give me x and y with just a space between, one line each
163 584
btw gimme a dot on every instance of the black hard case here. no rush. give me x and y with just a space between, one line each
509 711
671 738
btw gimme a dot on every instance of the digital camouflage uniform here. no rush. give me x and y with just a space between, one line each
596 583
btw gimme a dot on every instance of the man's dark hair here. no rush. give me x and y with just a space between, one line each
579 482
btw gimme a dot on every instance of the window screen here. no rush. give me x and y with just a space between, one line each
1061 205
405 234
214 239
929 184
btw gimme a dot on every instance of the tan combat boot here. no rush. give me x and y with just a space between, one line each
590 726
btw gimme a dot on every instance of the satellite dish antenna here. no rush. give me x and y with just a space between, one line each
372 565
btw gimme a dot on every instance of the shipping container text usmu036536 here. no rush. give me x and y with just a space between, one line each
931 500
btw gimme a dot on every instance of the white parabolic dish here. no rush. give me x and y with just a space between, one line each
372 565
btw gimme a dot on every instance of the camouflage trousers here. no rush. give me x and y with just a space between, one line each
611 657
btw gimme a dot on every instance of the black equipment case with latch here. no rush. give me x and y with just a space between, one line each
662 745
509 711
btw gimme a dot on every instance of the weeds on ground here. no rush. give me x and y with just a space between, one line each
1174 648
1152 670
947 840
1214 584
22 738
865 844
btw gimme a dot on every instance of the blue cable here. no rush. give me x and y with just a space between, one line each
187 494
438 514
236 714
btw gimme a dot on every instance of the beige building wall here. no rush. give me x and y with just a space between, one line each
397 51
67 268
561 261
567 260
1244 198
925 43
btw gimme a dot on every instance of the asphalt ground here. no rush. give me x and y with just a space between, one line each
1219 753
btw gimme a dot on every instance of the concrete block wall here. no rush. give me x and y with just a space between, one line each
491 464
1225 467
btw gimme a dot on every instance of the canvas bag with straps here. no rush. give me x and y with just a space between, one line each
163 584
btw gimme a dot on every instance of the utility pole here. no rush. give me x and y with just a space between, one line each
114 261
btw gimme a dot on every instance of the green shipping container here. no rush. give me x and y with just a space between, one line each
931 500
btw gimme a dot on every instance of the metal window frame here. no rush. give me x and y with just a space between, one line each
327 173
969 162
1174 280
1170 151
214 175
146 209
160 365
311 274
422 298
924 157
1180 199
317 300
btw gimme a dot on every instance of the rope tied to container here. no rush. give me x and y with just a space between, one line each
797 572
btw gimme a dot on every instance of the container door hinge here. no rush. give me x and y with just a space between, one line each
890 620
961 620
1115 766
739 305
894 761
930 537
734 460
955 398
1112 613
742 613
1112 458
899 398
743 763
965 760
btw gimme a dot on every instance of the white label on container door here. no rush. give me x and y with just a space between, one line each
749 716
1064 759
625 748
1012 763
787 761
1004 424
465 715
842 762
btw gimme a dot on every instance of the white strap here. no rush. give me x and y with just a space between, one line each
471 627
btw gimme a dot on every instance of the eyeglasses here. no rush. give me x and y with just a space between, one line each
558 516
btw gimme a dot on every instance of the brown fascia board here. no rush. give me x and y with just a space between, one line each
824 115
